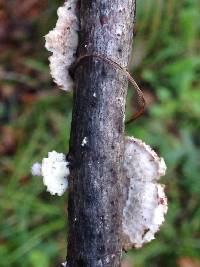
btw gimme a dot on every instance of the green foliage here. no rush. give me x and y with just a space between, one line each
166 64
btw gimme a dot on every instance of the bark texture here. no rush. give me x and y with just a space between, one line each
97 135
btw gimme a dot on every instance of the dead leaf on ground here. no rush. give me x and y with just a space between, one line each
127 263
28 9
149 97
8 141
188 262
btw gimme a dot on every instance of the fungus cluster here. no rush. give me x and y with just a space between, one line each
145 203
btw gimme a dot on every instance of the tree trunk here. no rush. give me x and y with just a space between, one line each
97 134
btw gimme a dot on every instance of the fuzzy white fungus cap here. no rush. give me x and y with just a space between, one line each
145 200
55 171
62 41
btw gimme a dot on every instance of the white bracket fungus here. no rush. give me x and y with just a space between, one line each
145 203
55 171
62 41
145 200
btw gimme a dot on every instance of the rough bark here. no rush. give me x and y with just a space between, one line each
95 191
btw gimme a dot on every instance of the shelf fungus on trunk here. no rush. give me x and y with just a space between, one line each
145 203
55 171
62 41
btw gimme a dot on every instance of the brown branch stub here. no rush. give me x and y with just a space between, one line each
97 142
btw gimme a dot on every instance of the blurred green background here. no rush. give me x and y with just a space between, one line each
35 118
